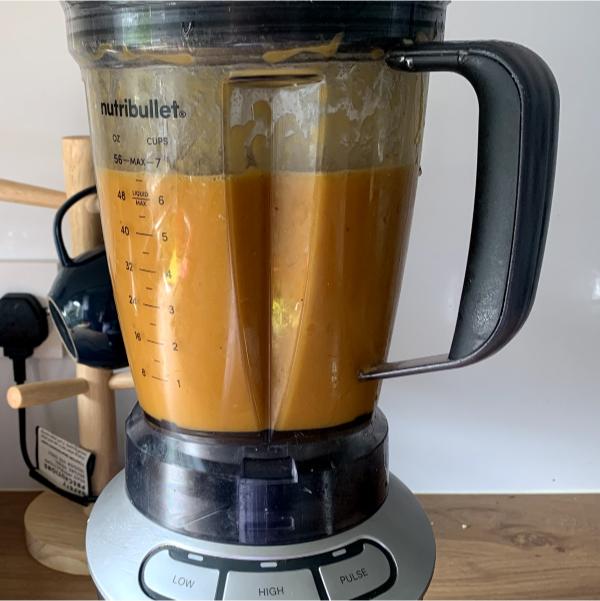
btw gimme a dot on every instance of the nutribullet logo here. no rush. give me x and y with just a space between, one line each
153 109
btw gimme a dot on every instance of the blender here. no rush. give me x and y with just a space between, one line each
256 166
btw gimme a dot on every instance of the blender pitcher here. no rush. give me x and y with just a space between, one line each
256 214
256 165
256 204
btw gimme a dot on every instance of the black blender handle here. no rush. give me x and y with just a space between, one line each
518 130
59 243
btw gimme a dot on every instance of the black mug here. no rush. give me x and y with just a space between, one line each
82 304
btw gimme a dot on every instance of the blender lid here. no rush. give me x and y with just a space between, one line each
250 23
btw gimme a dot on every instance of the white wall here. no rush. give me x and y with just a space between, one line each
525 420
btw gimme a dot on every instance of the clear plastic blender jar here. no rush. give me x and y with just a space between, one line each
256 164
256 198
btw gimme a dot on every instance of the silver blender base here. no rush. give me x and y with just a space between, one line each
389 556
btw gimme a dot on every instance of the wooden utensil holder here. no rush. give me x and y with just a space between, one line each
55 526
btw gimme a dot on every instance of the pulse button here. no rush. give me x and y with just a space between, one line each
357 576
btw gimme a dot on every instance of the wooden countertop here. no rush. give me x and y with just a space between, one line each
488 547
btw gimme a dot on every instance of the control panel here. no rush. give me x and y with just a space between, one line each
360 570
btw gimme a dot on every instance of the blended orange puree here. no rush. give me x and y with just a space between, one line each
250 302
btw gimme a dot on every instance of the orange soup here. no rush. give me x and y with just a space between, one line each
251 302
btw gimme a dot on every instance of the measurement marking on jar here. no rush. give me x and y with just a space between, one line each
145 252
159 379
156 361
158 342
152 324
151 306
144 234
146 270
141 216
148 288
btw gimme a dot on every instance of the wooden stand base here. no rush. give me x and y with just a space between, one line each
55 533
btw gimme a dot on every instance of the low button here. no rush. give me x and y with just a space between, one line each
357 576
295 584
174 579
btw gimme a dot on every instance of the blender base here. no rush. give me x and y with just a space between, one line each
391 555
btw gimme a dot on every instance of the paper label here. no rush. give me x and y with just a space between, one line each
63 463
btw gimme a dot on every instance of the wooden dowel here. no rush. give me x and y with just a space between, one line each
30 195
42 393
97 424
84 218
121 381
96 407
